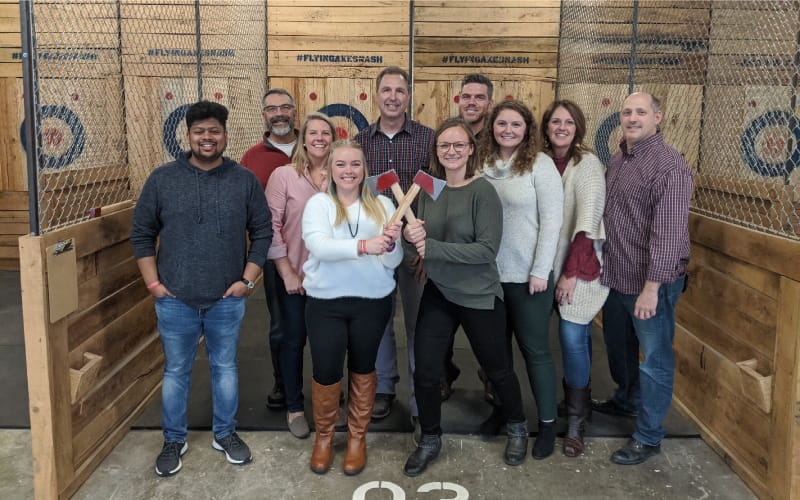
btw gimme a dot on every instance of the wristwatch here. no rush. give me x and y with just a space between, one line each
250 285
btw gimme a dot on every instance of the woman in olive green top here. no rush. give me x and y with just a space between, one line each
458 236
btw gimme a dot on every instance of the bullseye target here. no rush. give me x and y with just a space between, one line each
607 137
769 144
348 120
174 131
62 139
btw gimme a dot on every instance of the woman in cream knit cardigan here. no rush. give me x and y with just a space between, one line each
578 260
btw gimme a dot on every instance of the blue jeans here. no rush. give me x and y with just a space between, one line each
622 348
293 341
576 352
180 327
657 371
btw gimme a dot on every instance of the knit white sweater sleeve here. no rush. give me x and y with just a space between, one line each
318 231
550 207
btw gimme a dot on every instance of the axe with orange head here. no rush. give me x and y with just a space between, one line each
429 183
389 179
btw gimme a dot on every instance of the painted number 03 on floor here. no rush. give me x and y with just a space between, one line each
447 489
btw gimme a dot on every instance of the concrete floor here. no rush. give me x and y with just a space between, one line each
469 467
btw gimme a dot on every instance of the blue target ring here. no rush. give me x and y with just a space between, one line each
603 134
346 111
75 149
750 156
170 130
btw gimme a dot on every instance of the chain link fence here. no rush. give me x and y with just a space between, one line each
111 83
727 74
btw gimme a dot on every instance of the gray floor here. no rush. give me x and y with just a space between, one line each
687 468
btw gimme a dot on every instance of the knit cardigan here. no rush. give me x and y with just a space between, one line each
584 201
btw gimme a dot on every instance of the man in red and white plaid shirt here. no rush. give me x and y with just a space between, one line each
649 187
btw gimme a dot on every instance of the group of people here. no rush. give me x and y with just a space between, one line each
528 221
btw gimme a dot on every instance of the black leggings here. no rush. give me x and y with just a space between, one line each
345 326
485 329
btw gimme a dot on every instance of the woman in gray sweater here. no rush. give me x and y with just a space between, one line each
458 236
530 190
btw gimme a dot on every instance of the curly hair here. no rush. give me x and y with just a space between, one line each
526 151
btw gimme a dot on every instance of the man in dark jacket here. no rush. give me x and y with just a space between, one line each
201 208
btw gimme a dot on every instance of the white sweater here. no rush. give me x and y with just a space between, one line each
334 269
584 202
532 212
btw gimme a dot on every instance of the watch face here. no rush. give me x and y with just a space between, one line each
249 284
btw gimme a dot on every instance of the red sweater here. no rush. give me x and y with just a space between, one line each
263 159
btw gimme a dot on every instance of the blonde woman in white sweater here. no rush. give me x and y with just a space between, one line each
530 190
578 262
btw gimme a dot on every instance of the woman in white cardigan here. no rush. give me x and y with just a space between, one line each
530 190
579 258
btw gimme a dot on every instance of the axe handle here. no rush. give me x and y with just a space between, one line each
405 203
398 195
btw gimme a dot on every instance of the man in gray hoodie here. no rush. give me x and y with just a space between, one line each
201 209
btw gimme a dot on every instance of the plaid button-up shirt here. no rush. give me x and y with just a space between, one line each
648 190
407 152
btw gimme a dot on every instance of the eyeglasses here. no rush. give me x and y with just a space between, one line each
444 147
283 107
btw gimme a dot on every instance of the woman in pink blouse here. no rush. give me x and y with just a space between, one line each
288 190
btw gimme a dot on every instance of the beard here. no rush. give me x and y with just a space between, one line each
281 130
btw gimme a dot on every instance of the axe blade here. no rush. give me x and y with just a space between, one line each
380 182
429 184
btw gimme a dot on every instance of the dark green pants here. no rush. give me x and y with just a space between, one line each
528 318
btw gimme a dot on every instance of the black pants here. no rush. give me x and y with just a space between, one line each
345 326
485 329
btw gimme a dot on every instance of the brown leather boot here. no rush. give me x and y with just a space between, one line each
579 404
325 400
361 400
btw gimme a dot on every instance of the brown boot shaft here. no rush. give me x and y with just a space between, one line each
361 399
325 400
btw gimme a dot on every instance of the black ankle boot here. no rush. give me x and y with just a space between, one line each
428 449
492 425
517 445
545 440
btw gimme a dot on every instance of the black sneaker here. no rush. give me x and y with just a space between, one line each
236 451
168 462
634 452
383 406
276 400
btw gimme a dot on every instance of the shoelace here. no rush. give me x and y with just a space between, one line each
172 450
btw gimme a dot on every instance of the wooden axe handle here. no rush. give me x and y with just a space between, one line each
398 195
405 203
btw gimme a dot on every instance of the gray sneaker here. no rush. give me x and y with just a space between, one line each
168 462
236 451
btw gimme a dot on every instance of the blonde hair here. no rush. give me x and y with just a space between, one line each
300 158
372 206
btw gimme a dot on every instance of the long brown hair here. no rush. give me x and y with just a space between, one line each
525 154
300 158
436 168
372 206
577 148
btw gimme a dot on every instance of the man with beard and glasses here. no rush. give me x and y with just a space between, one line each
280 140
200 211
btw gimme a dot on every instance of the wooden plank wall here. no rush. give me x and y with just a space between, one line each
737 352
328 53
91 372
14 220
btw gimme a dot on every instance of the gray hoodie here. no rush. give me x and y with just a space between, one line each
202 219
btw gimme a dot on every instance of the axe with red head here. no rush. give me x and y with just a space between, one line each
389 179
430 184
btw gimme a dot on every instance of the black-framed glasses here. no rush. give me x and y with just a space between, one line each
444 147
283 107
